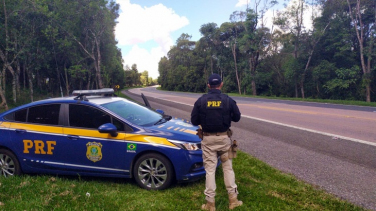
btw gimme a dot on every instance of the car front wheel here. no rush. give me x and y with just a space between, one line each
9 165
153 172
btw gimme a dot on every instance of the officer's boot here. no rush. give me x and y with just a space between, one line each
208 206
233 201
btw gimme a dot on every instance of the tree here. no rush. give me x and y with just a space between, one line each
229 35
291 20
208 41
363 18
11 47
145 78
57 28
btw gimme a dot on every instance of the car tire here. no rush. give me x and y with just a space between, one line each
9 165
153 172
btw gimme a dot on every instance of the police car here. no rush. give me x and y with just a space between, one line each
95 133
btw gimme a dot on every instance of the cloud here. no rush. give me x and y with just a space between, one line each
145 60
241 3
137 25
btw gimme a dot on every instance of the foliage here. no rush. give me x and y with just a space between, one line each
292 60
56 46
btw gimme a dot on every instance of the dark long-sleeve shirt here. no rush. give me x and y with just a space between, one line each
234 110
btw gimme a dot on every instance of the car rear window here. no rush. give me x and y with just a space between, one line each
42 114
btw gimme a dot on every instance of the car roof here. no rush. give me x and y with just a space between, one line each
92 99
96 99
96 96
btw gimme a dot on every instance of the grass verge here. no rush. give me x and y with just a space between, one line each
260 186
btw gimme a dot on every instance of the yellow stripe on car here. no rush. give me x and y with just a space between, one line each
148 139
59 130
92 133
190 131
36 128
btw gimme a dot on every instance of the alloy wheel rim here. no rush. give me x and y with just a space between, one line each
152 173
7 166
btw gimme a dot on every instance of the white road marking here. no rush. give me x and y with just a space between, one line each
313 131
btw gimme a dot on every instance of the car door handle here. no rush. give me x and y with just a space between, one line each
72 137
20 131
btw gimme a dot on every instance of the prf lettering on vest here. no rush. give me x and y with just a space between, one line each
214 103
40 147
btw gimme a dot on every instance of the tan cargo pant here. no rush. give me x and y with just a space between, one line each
212 146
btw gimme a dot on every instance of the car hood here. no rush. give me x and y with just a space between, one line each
175 129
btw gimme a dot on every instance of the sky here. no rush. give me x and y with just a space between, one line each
146 29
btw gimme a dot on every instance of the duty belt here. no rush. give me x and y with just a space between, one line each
215 134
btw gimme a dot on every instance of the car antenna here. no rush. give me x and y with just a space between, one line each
147 104
81 97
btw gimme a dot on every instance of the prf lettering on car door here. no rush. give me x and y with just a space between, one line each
40 147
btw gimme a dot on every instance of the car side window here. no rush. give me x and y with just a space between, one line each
18 116
87 117
119 125
43 114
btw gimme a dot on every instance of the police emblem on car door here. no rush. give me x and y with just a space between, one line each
94 151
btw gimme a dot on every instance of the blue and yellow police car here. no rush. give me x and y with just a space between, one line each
95 133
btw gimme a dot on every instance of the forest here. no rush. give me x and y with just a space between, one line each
333 59
52 47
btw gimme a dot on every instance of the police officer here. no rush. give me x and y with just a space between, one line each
214 112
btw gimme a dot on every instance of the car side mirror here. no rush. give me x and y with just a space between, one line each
108 128
159 111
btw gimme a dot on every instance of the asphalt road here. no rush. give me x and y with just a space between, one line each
330 146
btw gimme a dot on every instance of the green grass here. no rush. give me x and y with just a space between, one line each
261 188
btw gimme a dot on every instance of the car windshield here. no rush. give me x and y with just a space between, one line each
134 113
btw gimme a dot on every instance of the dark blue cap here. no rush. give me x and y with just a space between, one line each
214 79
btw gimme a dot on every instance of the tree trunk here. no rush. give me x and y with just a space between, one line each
254 91
14 89
99 59
2 95
24 76
18 72
236 67
253 62
88 81
66 79
302 86
11 70
30 79
39 81
309 60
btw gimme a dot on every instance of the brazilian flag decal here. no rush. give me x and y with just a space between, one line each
131 147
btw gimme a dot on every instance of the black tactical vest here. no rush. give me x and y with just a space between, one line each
215 113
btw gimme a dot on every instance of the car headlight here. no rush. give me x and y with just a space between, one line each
186 145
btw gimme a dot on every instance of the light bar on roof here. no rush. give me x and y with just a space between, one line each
104 91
